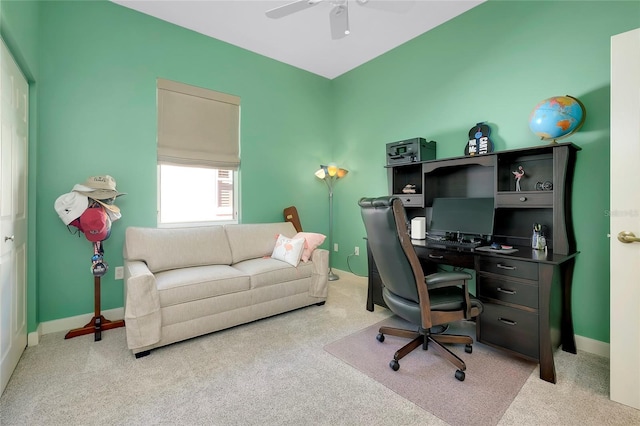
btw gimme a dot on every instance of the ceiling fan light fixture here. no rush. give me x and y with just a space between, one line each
339 20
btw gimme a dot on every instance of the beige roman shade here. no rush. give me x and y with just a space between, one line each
197 127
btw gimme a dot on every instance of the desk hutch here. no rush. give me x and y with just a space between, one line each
526 294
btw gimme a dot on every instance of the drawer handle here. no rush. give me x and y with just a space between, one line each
510 268
504 290
507 321
433 256
523 199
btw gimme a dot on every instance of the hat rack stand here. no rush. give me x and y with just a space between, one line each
98 323
87 208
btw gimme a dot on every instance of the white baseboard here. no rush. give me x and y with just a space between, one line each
33 338
592 346
66 324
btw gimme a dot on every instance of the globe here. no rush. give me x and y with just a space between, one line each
557 117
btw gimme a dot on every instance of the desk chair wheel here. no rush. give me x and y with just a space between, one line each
380 337
468 349
395 366
460 375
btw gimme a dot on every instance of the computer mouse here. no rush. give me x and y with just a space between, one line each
496 246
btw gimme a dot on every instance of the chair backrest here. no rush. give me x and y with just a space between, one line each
291 215
401 273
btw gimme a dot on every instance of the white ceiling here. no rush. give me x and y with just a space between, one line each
303 39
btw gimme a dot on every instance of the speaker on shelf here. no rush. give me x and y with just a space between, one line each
418 228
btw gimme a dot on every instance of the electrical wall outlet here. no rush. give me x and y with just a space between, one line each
119 272
357 251
335 247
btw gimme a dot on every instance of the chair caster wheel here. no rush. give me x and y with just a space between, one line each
380 337
460 375
468 349
395 365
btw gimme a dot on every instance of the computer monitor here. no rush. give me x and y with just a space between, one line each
468 216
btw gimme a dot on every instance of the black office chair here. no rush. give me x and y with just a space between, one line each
430 301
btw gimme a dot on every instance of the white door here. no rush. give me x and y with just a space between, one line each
625 216
13 214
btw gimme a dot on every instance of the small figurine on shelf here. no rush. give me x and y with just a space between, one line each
409 189
518 174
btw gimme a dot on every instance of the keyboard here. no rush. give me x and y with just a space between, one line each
452 244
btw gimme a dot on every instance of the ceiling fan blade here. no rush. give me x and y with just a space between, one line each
290 8
398 6
339 20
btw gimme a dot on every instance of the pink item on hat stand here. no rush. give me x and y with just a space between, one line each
95 224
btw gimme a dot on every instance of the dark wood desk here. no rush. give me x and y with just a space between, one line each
526 297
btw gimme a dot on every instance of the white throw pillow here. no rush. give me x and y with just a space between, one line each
288 249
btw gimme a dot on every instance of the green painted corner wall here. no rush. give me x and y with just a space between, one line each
95 63
494 63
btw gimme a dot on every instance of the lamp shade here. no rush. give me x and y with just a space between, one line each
330 171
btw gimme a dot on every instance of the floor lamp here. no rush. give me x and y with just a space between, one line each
330 174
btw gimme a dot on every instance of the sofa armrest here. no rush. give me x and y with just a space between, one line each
142 306
320 283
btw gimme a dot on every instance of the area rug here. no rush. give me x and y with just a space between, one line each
493 379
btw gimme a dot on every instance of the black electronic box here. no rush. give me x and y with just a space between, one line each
410 151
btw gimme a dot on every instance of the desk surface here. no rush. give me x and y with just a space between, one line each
522 253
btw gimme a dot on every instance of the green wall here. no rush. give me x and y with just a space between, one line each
97 115
493 63
94 65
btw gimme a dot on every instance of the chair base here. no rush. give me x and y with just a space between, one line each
424 338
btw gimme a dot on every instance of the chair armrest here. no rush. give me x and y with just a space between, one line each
446 279
142 305
452 279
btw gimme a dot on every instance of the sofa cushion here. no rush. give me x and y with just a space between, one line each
170 248
200 282
251 241
265 272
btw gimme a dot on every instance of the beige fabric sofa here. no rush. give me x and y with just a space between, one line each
185 282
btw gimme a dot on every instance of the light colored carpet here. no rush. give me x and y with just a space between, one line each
493 379
270 372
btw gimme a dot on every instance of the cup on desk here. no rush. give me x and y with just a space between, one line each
538 241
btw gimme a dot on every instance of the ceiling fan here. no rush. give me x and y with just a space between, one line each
339 14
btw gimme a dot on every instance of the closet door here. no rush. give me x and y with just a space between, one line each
14 113
625 217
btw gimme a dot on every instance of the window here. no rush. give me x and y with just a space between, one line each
195 195
198 154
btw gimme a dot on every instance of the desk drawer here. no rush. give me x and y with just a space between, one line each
413 200
509 267
524 199
507 291
510 328
446 257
